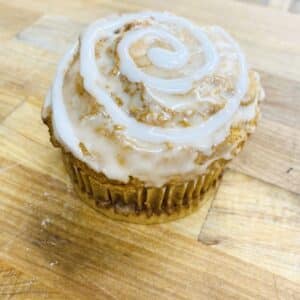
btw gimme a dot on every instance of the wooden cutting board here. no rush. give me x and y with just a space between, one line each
245 241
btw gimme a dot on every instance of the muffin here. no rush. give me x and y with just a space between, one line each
148 109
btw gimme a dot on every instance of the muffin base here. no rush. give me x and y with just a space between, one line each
136 203
143 218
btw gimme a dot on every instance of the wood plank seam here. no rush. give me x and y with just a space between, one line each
265 220
19 105
210 206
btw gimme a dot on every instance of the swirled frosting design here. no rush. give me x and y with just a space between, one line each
144 95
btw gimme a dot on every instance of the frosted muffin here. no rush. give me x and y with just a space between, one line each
147 109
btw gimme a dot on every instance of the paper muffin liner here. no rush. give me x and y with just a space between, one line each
135 202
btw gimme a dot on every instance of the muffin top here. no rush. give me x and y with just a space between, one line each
152 96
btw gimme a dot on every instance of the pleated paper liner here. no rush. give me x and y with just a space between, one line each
136 203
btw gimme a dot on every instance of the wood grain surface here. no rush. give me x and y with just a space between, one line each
17 285
244 243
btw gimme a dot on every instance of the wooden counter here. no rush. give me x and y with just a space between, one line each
243 244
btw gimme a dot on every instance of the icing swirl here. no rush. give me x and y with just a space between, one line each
199 136
191 80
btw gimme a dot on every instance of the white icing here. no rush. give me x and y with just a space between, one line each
165 59
159 57
62 126
47 104
200 136
168 92
246 113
